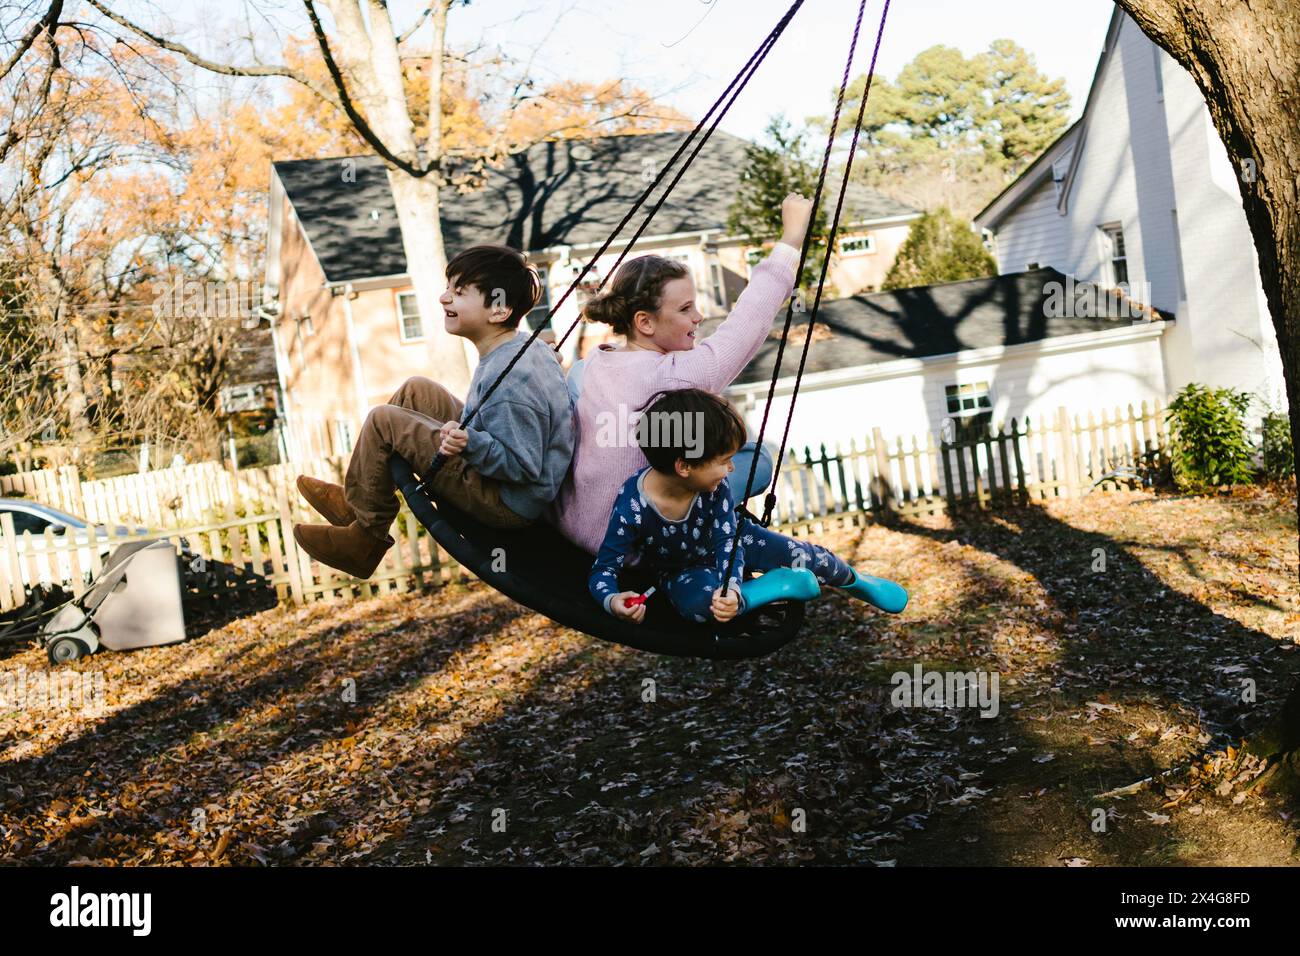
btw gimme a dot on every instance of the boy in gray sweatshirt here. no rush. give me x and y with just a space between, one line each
504 469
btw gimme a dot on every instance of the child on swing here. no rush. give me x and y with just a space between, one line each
651 302
504 469
676 517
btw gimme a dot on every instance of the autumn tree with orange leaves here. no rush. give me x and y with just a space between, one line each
362 69
127 184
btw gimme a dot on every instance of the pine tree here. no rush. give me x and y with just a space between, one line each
774 169
952 131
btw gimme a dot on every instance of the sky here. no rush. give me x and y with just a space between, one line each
688 50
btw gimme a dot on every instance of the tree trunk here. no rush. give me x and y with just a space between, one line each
1244 57
371 62
417 202
64 334
74 383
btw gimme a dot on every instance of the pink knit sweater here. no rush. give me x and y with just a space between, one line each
615 384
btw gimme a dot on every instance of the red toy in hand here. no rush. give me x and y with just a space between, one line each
639 599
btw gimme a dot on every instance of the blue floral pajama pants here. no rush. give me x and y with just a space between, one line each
691 591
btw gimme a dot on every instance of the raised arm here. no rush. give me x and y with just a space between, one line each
716 361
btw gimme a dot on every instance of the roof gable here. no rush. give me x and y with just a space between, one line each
1085 121
1074 139
1045 167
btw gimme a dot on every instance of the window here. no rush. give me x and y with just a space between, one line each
26 521
538 312
857 245
971 408
1115 264
408 313
719 284
968 399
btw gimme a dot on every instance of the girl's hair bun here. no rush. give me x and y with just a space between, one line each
608 307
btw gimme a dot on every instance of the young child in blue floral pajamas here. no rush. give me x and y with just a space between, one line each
676 517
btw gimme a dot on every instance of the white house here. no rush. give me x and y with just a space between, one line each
979 351
1141 191
1139 196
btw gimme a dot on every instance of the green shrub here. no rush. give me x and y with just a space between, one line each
1208 432
1275 446
940 247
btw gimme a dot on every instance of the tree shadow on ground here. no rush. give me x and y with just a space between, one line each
725 758
630 758
583 752
1122 638
274 703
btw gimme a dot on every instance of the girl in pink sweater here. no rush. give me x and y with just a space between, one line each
651 301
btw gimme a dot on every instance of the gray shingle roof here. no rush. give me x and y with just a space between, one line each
546 196
927 320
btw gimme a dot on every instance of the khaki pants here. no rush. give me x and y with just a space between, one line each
410 425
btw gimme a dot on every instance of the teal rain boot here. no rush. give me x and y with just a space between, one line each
781 584
884 594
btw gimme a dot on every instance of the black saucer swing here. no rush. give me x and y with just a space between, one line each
539 568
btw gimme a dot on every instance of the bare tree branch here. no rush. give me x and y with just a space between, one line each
229 69
47 23
436 51
345 101
12 135
424 15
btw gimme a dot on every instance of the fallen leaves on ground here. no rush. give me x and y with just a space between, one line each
454 727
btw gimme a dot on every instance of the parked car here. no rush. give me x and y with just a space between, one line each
35 517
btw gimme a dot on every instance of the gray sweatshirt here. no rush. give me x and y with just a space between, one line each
523 437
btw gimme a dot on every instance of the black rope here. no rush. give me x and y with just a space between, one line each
742 78
751 67
770 500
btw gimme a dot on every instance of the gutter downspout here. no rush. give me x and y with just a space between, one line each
358 373
290 438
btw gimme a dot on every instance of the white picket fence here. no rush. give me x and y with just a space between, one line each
235 552
167 498
244 518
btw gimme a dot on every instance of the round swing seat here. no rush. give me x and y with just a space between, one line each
540 569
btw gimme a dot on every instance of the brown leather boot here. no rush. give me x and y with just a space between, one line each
328 499
352 550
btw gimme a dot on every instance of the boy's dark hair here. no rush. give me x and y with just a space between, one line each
489 268
688 423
